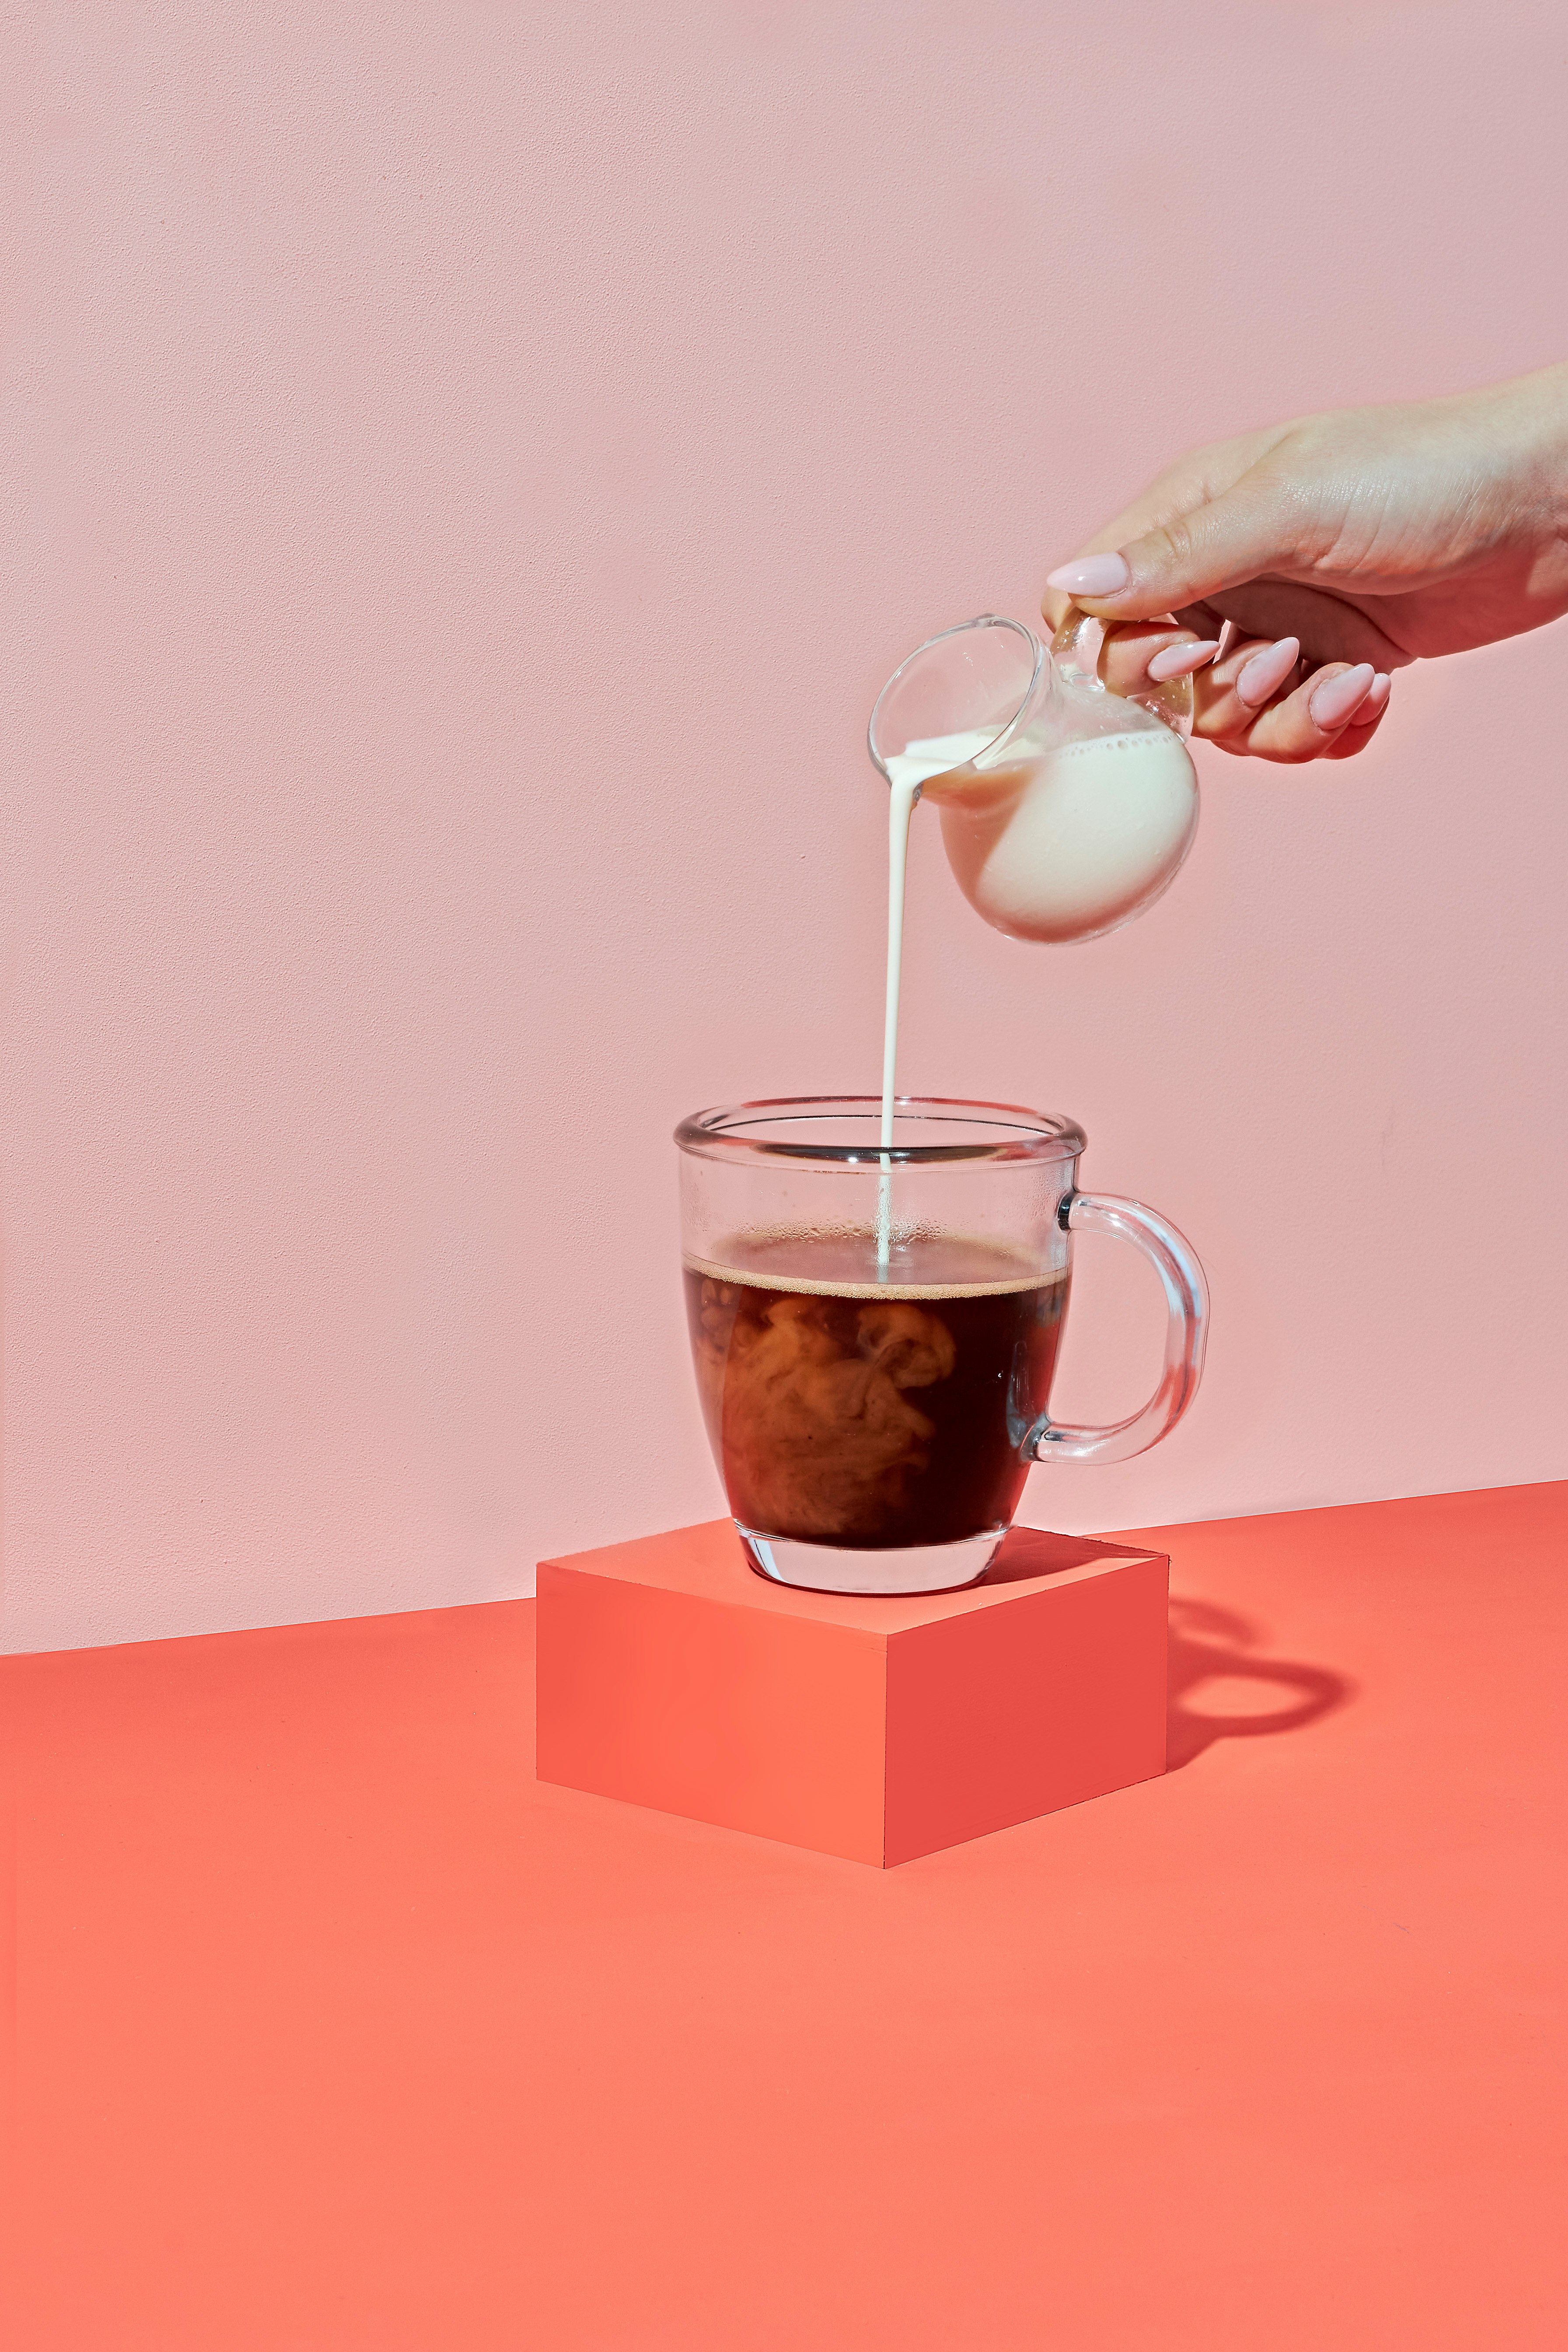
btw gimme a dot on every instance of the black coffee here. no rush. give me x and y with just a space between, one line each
872 1414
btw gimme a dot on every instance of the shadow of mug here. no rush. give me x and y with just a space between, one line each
1210 1644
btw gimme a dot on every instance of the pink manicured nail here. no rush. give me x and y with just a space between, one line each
1377 694
1268 670
1180 661
1337 698
1091 575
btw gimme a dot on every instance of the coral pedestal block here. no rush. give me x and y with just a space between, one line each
672 1674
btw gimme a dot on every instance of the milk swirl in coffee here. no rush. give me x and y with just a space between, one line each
846 1409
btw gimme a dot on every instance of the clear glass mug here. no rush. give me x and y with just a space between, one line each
874 1411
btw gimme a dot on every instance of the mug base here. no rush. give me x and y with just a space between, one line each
832 1567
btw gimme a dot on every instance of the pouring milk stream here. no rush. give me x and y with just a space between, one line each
1066 810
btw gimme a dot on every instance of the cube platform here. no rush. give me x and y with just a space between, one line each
670 1675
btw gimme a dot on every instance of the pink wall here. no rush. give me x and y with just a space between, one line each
472 465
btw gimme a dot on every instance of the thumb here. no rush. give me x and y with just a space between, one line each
1256 525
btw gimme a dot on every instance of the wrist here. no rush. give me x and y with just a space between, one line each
1530 423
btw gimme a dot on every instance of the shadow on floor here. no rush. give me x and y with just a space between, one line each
1209 1644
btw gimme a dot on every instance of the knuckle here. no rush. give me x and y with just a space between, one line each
1174 543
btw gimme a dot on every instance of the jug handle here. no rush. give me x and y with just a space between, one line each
1075 650
1186 1332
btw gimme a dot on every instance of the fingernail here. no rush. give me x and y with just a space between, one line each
1091 575
1180 661
1268 670
1337 698
1377 692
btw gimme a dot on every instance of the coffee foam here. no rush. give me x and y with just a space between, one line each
845 1266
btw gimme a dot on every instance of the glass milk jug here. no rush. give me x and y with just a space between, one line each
1066 810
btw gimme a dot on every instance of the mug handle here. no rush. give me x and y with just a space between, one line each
1186 1331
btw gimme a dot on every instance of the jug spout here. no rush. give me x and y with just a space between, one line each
958 698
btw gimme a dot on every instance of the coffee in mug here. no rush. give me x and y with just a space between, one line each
874 1321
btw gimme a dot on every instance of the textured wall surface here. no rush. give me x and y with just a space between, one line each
469 468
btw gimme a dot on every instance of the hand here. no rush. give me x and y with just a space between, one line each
1328 552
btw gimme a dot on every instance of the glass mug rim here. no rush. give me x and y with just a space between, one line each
1040 1137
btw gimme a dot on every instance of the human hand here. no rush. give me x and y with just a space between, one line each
1327 553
